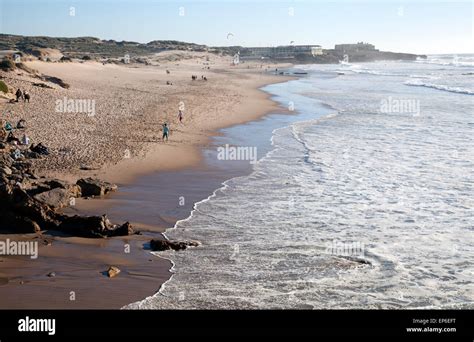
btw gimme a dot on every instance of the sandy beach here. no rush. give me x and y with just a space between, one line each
122 137
118 138
214 166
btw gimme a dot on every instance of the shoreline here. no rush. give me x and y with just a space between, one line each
143 275
271 122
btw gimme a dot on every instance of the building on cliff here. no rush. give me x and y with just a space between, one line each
354 48
280 52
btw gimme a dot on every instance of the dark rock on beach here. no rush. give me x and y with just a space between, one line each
123 230
163 245
93 226
95 187
17 224
73 190
42 85
56 198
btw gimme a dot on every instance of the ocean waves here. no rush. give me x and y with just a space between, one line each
375 226
457 90
448 60
355 210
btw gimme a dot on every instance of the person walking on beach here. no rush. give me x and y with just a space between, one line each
180 116
166 131
18 95
26 96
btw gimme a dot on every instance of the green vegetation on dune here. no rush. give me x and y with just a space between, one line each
91 46
3 87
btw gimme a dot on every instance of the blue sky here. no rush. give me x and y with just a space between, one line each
412 26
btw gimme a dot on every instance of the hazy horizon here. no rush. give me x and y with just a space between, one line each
421 27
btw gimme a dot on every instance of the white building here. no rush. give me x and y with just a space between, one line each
316 50
281 52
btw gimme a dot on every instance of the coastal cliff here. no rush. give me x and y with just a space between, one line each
333 56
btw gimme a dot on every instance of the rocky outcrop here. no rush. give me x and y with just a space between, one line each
19 212
365 56
163 245
30 204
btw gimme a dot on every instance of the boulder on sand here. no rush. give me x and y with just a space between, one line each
123 230
18 202
163 245
95 187
56 198
73 190
93 226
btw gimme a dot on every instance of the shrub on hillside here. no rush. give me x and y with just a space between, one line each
3 87
7 65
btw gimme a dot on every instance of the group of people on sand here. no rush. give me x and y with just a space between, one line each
194 77
166 128
7 132
22 95
8 135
